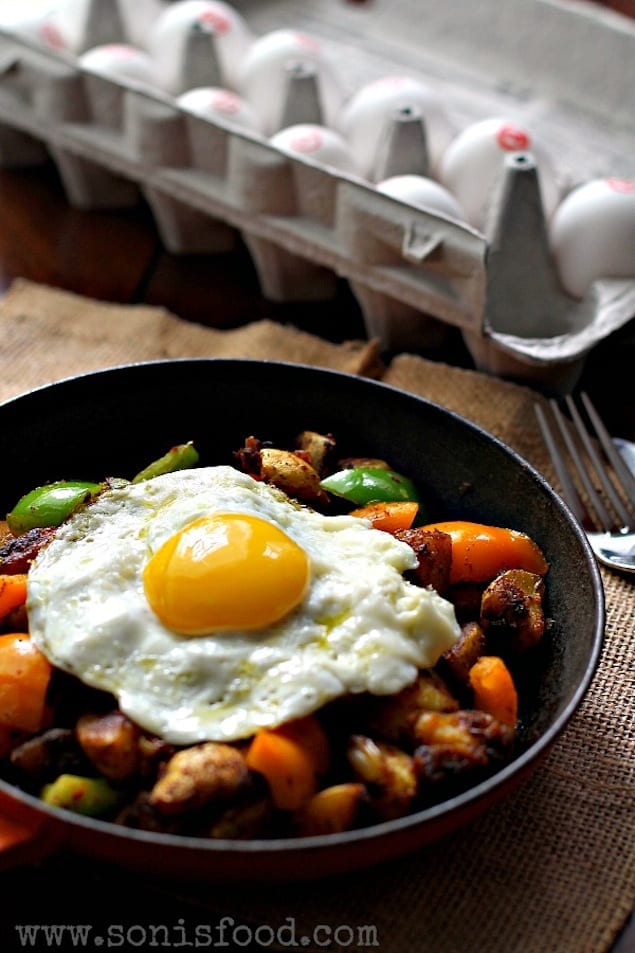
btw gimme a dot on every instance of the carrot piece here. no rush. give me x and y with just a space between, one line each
494 689
389 517
24 677
288 768
12 592
480 552
291 758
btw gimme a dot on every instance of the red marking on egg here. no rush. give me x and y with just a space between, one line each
307 142
513 138
217 20
226 103
621 185
52 36
307 41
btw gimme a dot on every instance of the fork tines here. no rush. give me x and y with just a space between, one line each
608 484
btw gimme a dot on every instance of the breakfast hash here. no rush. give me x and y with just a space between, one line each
286 644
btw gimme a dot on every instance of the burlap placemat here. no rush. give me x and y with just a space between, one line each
51 334
549 870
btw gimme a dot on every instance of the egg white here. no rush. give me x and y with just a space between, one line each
360 627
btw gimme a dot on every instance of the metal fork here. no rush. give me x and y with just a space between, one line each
611 531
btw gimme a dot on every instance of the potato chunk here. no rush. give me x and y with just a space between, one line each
111 742
45 756
434 554
290 473
454 742
331 811
512 615
388 773
18 552
459 659
318 448
197 775
394 717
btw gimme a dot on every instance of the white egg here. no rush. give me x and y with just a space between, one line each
363 121
64 26
74 26
355 626
168 40
219 105
592 234
422 193
474 161
316 142
139 17
267 74
39 26
119 61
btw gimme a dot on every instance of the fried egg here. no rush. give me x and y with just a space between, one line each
211 604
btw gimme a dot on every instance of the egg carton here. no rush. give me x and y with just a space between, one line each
308 220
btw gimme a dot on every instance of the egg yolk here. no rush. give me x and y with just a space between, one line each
225 571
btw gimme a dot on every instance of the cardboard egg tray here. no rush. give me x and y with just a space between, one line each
566 67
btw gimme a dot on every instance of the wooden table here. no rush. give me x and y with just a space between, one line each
118 256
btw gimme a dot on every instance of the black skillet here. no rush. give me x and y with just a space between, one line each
113 422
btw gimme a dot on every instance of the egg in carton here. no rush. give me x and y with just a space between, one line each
545 313
122 119
70 27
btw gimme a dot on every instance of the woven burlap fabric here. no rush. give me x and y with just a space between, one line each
551 869
51 334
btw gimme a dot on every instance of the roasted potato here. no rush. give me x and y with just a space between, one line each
434 555
318 448
194 776
394 717
512 613
461 657
388 773
111 742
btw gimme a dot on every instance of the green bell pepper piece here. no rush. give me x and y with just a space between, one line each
89 796
362 485
181 457
50 505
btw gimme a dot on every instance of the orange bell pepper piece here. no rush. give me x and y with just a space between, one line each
24 678
480 552
494 689
389 517
291 758
12 592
